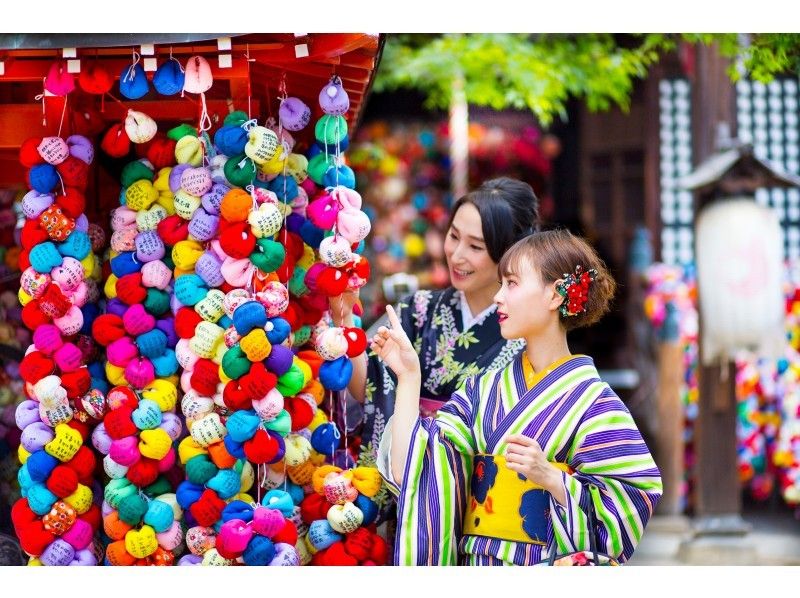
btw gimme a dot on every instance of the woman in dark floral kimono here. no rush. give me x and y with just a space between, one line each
455 330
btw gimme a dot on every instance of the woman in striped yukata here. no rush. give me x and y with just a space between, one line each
507 469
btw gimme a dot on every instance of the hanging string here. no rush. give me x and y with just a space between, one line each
130 74
41 97
117 100
249 88
260 473
63 113
205 120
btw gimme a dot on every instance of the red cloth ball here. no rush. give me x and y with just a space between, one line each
234 397
77 383
53 303
258 381
161 152
35 366
73 202
300 412
29 155
95 79
186 320
332 282
359 544
116 142
21 513
81 427
83 463
314 507
24 260
380 550
74 172
33 538
119 424
293 316
337 556
205 377
287 535
63 481
32 316
130 289
94 517
108 328
293 244
236 239
208 509
143 473
261 448
32 234
173 229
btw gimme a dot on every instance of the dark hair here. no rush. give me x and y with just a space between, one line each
555 253
502 202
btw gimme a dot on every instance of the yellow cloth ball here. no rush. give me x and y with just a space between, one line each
115 375
81 499
24 298
189 448
110 287
189 150
414 246
256 345
154 444
186 253
163 393
140 195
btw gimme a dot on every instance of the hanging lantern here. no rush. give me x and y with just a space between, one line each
739 268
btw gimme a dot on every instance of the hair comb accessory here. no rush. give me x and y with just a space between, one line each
575 291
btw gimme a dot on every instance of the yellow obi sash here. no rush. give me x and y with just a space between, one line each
504 504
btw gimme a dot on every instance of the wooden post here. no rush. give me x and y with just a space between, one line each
669 434
717 489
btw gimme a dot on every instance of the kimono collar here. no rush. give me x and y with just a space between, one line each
532 377
467 319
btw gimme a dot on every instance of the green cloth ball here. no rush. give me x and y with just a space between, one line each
132 509
181 131
235 363
135 171
157 302
301 336
240 175
318 166
282 424
331 129
235 119
291 382
297 283
167 259
159 487
200 469
268 256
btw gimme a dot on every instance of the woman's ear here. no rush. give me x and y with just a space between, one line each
555 299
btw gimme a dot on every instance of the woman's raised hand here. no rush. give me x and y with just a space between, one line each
394 347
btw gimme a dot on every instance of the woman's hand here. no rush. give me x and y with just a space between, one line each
395 349
341 308
525 456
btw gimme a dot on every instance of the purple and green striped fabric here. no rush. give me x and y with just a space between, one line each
575 417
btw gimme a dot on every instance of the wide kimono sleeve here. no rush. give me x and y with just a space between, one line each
381 381
614 469
432 496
